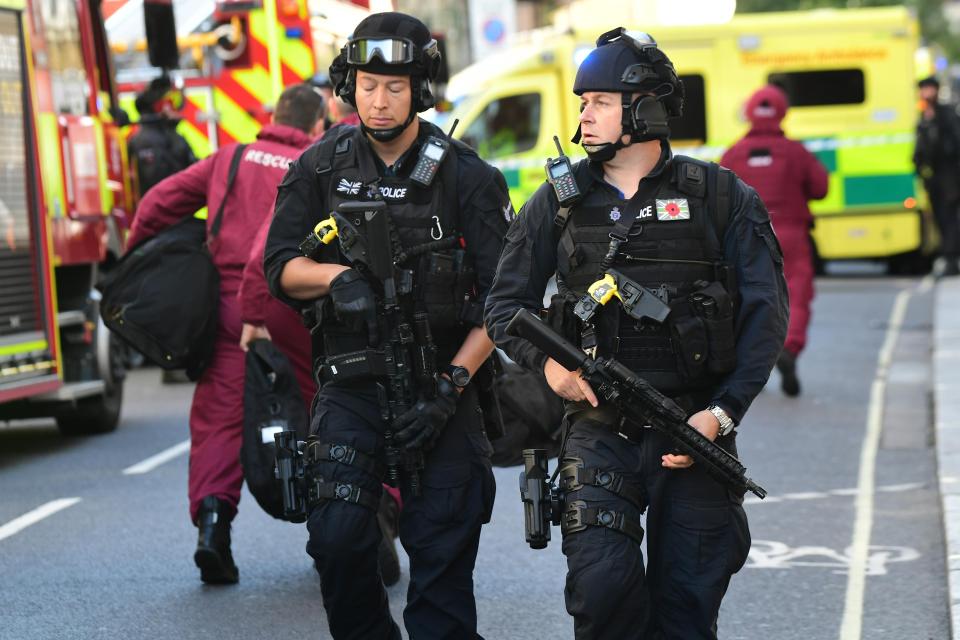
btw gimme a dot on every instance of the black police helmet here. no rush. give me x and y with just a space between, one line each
416 55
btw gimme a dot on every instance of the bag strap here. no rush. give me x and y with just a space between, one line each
720 184
231 178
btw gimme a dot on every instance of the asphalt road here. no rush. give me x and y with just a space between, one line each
108 554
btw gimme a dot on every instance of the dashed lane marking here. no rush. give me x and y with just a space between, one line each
43 511
151 463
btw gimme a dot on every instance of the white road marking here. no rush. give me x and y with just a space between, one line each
819 495
851 626
45 510
770 554
151 463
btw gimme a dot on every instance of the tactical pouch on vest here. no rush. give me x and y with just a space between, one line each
689 335
560 317
712 304
446 283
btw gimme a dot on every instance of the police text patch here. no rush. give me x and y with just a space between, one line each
673 209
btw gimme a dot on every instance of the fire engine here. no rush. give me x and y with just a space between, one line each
65 204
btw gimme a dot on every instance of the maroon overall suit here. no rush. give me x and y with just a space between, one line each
216 416
786 176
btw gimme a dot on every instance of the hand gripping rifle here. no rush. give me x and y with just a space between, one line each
637 401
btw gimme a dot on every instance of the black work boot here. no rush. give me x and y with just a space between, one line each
213 543
388 515
787 366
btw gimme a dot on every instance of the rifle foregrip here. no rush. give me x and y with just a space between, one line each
527 326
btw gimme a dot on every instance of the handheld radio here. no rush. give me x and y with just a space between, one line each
432 153
560 175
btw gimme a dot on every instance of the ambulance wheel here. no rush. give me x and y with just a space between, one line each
90 416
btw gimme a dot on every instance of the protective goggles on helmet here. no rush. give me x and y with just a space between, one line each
390 50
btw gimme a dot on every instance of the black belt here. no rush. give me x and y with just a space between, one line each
367 363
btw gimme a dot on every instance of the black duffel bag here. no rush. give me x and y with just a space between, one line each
162 297
271 403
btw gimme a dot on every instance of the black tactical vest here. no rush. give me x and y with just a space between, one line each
672 248
424 220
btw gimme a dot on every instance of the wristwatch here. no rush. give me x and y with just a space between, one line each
459 376
726 422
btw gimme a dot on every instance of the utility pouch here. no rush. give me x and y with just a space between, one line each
443 287
713 305
689 336
489 396
560 317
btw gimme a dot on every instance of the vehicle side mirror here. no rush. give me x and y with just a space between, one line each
161 32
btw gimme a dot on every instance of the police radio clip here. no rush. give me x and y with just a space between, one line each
432 153
560 176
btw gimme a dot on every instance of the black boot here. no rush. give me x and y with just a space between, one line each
213 543
388 518
787 365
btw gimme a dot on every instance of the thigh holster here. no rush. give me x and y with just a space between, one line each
573 476
578 516
344 454
319 489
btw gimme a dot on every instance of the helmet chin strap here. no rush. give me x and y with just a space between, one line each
386 135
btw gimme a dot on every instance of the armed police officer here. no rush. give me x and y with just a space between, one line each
447 232
695 246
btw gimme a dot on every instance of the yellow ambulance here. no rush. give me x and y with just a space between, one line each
849 74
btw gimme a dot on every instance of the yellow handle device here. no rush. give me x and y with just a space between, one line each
604 289
326 230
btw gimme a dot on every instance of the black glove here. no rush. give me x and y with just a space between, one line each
355 304
420 427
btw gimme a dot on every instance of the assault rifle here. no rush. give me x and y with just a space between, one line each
639 402
409 351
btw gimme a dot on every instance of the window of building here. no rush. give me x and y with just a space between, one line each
821 88
506 126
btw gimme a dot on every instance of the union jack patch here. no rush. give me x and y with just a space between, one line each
349 187
674 209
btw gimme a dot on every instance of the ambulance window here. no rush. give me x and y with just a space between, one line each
506 127
692 125
821 88
64 57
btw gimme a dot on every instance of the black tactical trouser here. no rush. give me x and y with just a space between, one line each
697 537
440 529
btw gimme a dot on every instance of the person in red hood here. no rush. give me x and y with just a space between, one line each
786 176
216 415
